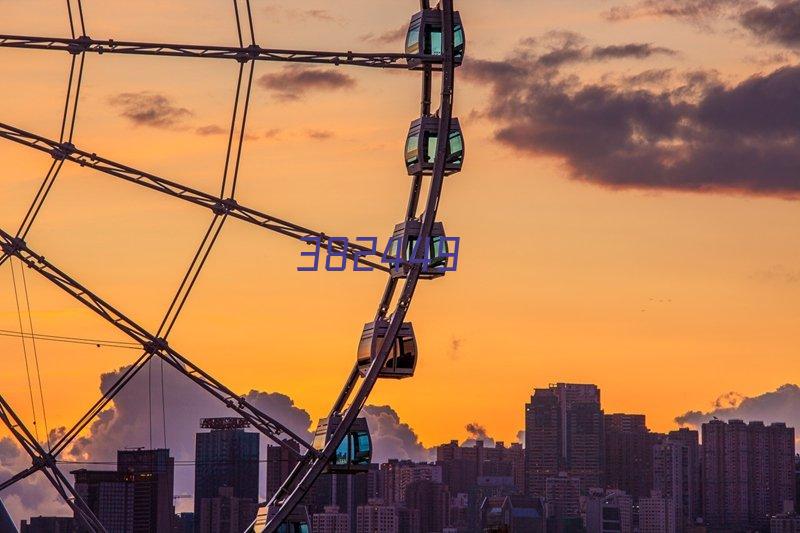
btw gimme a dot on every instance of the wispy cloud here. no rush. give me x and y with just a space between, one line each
294 81
152 109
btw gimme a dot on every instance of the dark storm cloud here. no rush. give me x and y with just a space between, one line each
780 405
779 23
703 136
294 81
149 109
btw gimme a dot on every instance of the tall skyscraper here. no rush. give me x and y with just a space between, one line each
226 456
693 494
432 501
747 473
563 497
564 432
135 498
672 480
628 454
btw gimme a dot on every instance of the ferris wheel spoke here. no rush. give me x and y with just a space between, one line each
68 152
240 54
157 346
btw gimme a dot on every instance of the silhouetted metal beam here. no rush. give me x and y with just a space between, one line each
155 345
45 462
241 54
68 152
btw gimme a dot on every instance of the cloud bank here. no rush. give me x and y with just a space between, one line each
701 135
780 405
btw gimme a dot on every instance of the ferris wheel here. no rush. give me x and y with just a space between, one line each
434 48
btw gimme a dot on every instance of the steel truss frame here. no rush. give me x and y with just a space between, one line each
353 396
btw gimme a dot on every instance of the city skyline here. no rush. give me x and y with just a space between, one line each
625 222
632 269
739 473
132 430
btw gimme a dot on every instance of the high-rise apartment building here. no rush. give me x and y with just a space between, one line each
748 473
225 513
672 480
398 475
135 498
656 514
563 497
610 512
330 521
564 432
693 493
628 454
432 501
280 463
225 456
464 465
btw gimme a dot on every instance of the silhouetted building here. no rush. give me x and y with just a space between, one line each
135 498
692 492
611 512
656 514
785 523
398 475
748 473
463 465
226 456
280 463
512 514
225 513
153 488
47 524
330 521
564 433
628 454
432 501
672 470
563 497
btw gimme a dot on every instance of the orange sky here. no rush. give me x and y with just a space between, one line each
665 300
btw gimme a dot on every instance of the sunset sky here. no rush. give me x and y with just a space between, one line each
628 206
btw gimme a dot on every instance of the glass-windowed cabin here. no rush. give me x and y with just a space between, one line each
424 37
354 453
404 244
402 359
421 144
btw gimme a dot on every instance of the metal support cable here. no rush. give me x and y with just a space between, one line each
24 350
270 427
36 359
